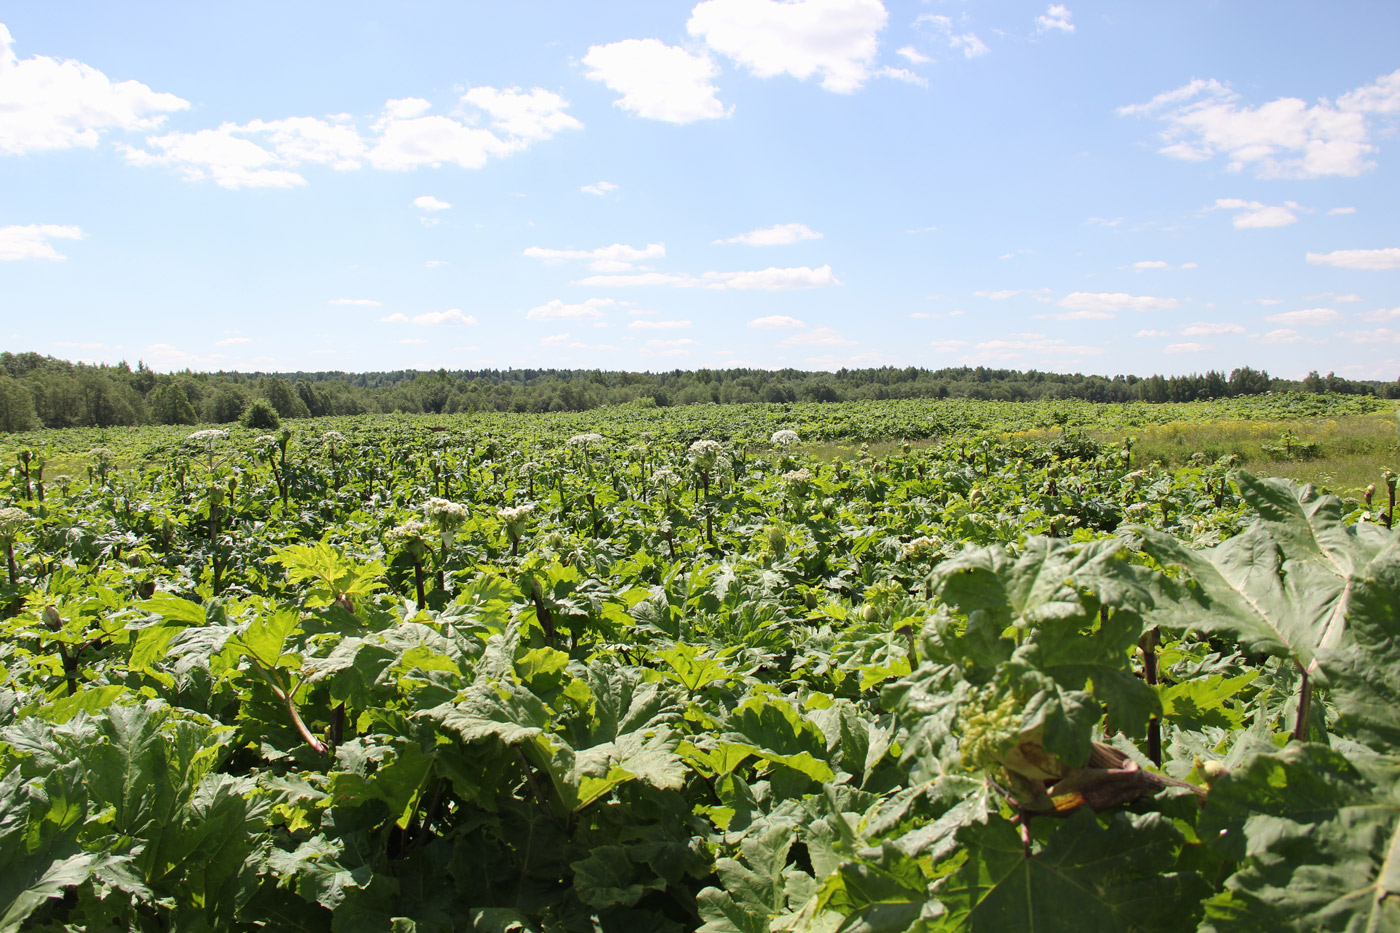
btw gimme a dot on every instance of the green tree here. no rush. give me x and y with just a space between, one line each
170 405
261 415
284 398
16 406
225 405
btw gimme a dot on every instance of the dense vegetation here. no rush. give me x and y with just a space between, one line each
37 391
667 670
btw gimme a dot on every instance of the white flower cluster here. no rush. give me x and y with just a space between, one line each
11 521
102 454
407 533
444 513
583 440
666 479
208 436
265 440
515 515
705 454
798 477
921 548
531 468
784 438
332 437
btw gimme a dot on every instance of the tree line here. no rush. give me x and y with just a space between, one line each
43 391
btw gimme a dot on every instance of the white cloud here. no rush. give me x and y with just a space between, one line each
657 81
1107 304
1151 264
164 356
1341 210
48 104
1285 138
902 74
772 279
232 341
362 302
32 240
658 325
412 340
1346 298
1308 318
679 347
1207 329
1016 346
1153 333
599 188
1000 294
429 203
1186 348
556 310
1057 17
1379 335
619 257
450 316
525 117
777 235
434 263
836 39
1381 314
408 137
557 340
776 322
1255 214
1369 259
230 161
396 318
914 55
819 337
1283 335
947 346
967 43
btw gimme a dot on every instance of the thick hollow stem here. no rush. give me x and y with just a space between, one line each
1300 728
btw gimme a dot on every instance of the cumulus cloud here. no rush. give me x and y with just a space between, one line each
599 188
48 104
362 302
835 39
1378 335
776 322
679 347
1381 314
772 279
1056 18
1282 335
817 337
1016 347
1175 348
1284 138
1337 211
1153 333
657 81
429 203
1256 214
1369 259
269 153
32 240
1091 305
619 257
942 26
1208 329
452 316
1311 317
658 325
914 56
557 310
777 235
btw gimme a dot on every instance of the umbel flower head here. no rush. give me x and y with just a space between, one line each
705 454
12 521
784 438
445 517
514 516
408 536
584 440
208 436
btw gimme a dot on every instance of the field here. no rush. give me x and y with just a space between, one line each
925 665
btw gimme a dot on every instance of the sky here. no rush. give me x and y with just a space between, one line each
1109 187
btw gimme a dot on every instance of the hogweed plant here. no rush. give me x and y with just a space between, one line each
12 522
408 537
514 518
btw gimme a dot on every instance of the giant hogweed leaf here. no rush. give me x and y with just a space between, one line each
1364 671
1285 584
1085 877
755 886
503 709
1319 840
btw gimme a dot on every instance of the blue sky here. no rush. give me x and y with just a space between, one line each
1105 187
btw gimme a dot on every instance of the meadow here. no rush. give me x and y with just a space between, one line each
913 665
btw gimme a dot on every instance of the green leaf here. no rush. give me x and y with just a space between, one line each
1319 841
1086 876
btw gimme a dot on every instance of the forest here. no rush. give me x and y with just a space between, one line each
42 391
